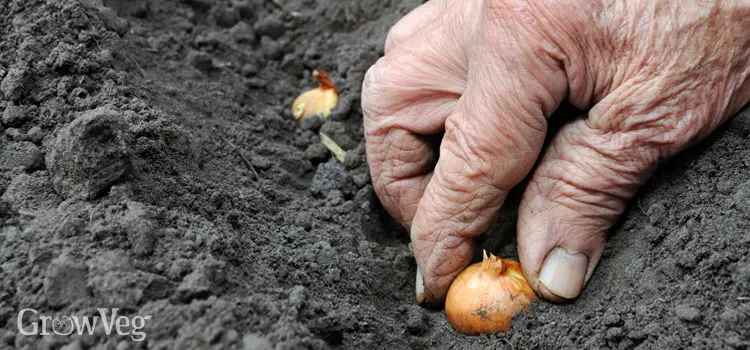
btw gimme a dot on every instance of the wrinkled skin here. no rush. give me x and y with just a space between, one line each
655 76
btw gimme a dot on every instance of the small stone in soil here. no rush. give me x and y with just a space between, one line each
334 198
15 134
688 313
200 284
612 319
70 226
14 83
200 60
14 115
331 176
249 70
89 155
333 275
243 33
615 333
113 22
196 285
35 134
361 180
352 160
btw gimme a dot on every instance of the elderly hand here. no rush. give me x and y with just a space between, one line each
654 75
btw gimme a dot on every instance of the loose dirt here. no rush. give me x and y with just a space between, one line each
149 162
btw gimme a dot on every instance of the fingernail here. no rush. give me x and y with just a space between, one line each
563 273
419 287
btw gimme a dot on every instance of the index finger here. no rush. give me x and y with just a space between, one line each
491 143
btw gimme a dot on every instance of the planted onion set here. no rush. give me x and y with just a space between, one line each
486 295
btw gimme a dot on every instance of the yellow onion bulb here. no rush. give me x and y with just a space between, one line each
320 100
486 295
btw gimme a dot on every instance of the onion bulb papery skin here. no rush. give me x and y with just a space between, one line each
486 295
320 100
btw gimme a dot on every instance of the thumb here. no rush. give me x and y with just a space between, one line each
590 170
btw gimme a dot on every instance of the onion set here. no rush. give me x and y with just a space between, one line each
320 100
486 295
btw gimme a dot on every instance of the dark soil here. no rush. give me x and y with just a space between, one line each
149 162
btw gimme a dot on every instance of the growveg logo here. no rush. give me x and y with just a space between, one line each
66 325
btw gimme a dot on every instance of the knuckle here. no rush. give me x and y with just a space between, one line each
397 35
473 160
460 207
382 92
670 132
654 127
398 160
406 155
369 83
372 88
397 198
575 195
615 156
591 180
494 150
